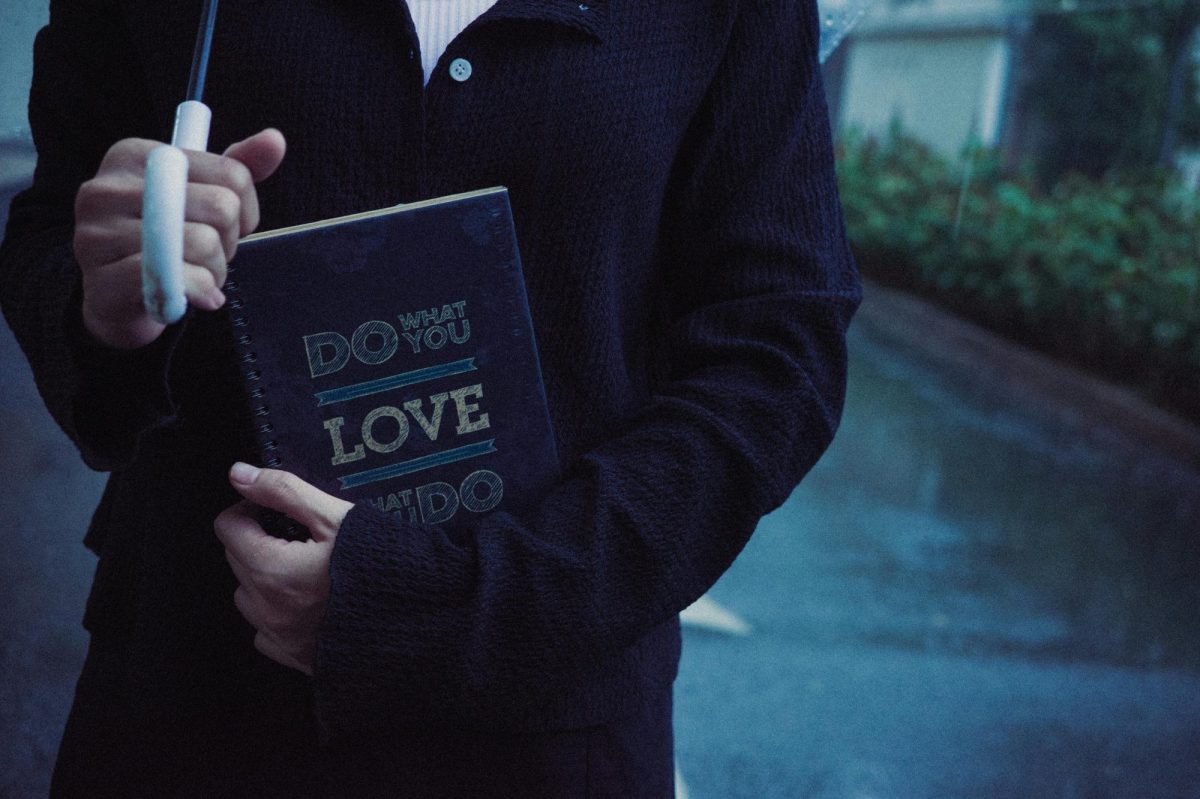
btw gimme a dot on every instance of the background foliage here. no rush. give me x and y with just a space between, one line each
1102 271
1110 87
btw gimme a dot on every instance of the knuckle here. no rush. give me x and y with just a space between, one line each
89 198
289 490
235 175
127 154
223 207
87 237
101 195
226 521
207 242
203 280
305 602
279 481
118 151
118 154
241 601
268 620
213 244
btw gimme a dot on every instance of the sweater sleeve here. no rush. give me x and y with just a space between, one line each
84 97
763 288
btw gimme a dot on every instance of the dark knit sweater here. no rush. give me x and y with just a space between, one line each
671 176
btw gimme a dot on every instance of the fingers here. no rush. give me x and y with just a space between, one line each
249 605
221 206
283 491
258 615
282 586
209 242
214 171
266 566
245 539
108 197
262 153
203 247
114 292
97 244
128 156
243 574
272 649
218 208
242 165
210 231
118 290
112 305
256 610
200 290
221 188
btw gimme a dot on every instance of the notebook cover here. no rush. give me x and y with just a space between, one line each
389 356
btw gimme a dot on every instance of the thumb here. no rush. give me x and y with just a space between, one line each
283 491
261 153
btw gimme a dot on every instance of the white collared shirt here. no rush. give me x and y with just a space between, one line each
438 22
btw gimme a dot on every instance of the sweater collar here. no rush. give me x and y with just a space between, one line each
589 16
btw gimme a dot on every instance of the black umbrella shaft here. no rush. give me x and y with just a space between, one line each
208 20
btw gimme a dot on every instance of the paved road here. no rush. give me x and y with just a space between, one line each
973 594
46 497
987 588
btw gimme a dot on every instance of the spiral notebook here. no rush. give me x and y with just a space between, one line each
389 356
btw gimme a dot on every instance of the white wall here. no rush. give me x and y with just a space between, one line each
940 86
20 21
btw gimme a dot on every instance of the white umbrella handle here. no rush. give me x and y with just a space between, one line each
163 205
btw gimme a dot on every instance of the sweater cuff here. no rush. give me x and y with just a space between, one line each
120 393
394 586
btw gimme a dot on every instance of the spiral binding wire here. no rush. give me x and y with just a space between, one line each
259 410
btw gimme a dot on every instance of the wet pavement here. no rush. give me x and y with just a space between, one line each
46 499
972 594
988 587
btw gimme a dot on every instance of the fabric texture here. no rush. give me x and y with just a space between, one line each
670 171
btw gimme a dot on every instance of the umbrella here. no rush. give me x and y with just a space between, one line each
165 196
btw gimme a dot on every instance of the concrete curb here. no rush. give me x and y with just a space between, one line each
1075 398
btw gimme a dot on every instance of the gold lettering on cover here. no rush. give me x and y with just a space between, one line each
360 342
465 409
340 456
436 337
454 334
431 513
493 491
316 345
374 416
430 427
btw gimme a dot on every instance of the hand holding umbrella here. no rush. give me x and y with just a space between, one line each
157 225
165 198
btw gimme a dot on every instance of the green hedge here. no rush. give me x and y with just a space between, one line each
1105 272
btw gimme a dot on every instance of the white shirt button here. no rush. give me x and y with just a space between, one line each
460 69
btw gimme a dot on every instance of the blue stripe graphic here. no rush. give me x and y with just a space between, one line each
417 464
395 381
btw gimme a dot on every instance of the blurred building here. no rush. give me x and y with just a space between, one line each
940 68
19 23
955 73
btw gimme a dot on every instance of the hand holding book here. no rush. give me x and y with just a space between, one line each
283 586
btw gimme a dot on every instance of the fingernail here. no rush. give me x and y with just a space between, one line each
243 473
217 298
